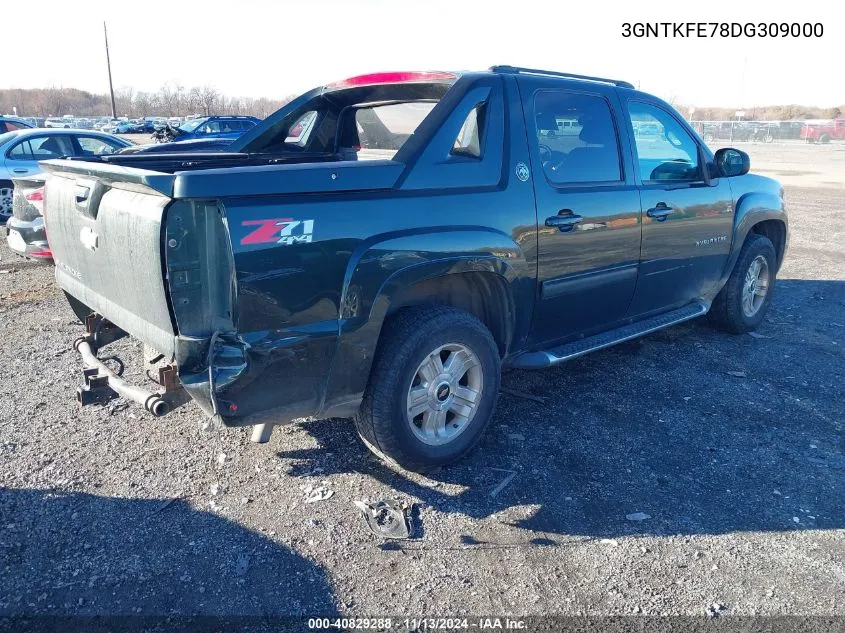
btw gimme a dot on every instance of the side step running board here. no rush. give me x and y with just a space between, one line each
574 349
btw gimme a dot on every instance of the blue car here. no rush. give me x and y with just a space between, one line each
9 123
230 127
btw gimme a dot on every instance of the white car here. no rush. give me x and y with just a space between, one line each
56 122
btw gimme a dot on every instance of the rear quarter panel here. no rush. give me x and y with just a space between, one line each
313 305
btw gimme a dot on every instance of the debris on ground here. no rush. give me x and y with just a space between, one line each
318 493
522 394
387 518
716 609
738 374
758 335
609 541
637 516
502 484
241 565
517 437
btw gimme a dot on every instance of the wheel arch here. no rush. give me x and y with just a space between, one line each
760 213
480 271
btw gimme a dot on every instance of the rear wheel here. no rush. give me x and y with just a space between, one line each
432 390
824 138
742 303
6 196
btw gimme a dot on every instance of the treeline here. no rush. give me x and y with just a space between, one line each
169 100
174 100
764 113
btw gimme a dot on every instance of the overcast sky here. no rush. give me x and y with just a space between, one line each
264 48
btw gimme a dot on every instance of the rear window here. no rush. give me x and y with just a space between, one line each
387 127
357 122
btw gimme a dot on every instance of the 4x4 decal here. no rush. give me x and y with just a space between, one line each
285 231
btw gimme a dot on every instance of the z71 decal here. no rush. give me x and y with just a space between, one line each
285 231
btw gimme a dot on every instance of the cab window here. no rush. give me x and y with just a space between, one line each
576 138
665 150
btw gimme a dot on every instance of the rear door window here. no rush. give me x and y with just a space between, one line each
95 145
576 138
42 148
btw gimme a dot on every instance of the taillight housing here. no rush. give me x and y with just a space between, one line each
36 199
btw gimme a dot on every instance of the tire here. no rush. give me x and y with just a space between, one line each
824 138
729 311
6 196
409 339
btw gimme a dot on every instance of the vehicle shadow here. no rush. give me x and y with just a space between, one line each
702 431
130 562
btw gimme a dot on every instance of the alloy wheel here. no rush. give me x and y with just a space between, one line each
444 394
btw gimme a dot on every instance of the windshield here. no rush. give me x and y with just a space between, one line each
190 126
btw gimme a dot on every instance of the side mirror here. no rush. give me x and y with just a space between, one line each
732 162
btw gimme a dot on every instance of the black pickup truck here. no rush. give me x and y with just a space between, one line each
381 247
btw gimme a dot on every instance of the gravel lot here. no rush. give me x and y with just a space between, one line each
733 446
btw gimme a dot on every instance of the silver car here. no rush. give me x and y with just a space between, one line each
20 151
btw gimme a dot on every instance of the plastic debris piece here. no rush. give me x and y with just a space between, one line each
387 518
320 493
502 484
638 516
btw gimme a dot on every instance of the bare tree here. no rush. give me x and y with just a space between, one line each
209 98
172 99
125 101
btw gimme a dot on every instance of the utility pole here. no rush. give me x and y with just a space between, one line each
108 65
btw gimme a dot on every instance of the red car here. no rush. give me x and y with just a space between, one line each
823 131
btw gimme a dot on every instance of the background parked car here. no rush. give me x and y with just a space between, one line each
20 151
59 122
192 145
9 123
230 127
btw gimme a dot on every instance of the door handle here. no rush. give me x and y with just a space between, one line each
20 171
660 212
564 222
81 194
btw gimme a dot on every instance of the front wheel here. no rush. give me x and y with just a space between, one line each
742 303
432 389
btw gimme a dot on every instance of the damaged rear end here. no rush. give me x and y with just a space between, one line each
133 260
